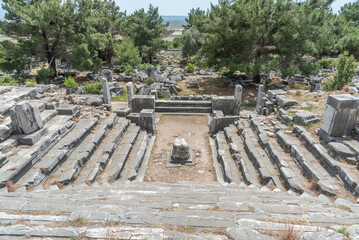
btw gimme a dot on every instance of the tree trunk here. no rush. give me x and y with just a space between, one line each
257 78
51 60
150 55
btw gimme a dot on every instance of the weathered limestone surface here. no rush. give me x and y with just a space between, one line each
180 150
129 94
26 118
140 102
226 104
340 115
259 98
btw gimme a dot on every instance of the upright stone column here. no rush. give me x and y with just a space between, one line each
148 120
106 93
259 98
25 118
340 115
129 94
238 96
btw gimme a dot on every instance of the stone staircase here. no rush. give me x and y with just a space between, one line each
176 106
88 151
201 207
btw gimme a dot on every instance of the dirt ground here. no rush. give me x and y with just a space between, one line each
194 129
214 86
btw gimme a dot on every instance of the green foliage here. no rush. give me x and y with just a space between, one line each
345 74
12 56
127 55
147 30
43 75
122 98
82 60
144 66
308 67
71 83
192 42
148 81
129 70
191 68
343 231
29 82
177 43
350 11
8 81
263 35
80 32
92 88
327 62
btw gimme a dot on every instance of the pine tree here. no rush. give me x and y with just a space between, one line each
147 30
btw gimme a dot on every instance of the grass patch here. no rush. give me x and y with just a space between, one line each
122 98
249 105
218 83
343 231
309 108
164 98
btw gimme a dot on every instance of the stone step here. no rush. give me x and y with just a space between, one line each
269 174
175 103
47 115
119 157
346 173
230 169
103 154
309 165
135 158
146 159
9 98
184 109
191 204
69 170
284 163
249 173
217 166
59 152
22 159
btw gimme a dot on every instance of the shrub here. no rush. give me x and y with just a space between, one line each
345 74
43 75
29 82
129 70
127 55
149 81
163 68
191 68
70 83
144 66
8 81
327 62
92 88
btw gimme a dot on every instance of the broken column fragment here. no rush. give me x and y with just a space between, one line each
25 118
106 93
340 115
180 155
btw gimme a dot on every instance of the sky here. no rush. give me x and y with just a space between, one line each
179 7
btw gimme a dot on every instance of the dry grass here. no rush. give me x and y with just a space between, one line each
287 234
11 187
12 154
313 185
289 221
345 208
217 208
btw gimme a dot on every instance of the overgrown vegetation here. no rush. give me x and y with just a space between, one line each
345 74
43 75
8 81
343 231
92 88
71 83
191 68
127 56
